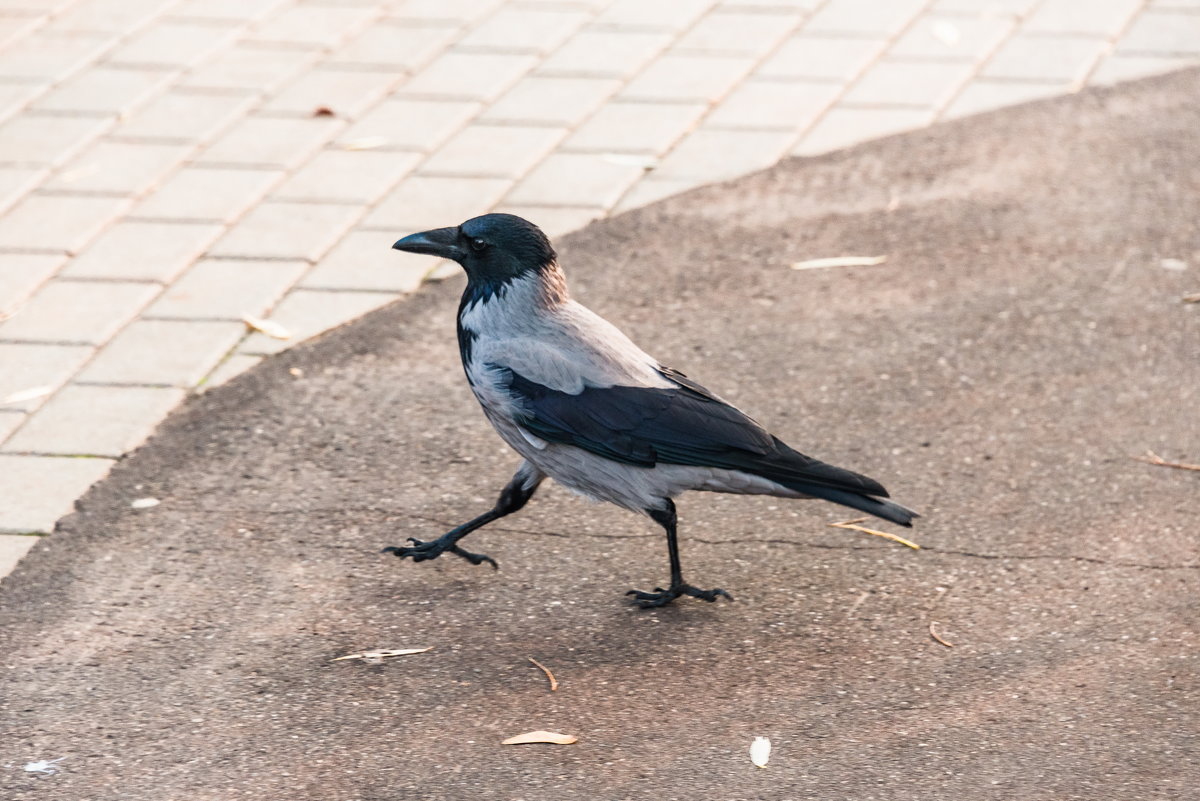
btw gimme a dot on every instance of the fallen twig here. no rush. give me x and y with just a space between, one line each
935 636
1153 458
853 526
549 675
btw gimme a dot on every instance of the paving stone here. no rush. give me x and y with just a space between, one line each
721 154
13 548
1065 60
135 250
10 420
250 66
985 8
57 222
52 57
348 176
227 370
306 313
605 53
651 189
739 32
792 105
35 491
1121 67
533 29
468 75
118 167
36 139
171 352
677 76
830 58
94 420
398 45
16 183
282 230
228 289
550 100
105 16
29 367
207 193
420 202
1096 17
575 179
501 151
463 11
243 10
173 43
864 16
20 276
70 311
983 94
556 221
363 260
15 96
1163 33
942 36
104 90
639 127
185 116
413 124
270 141
345 93
904 83
675 16
320 25
842 127
14 26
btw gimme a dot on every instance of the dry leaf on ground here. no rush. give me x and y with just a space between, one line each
26 394
382 653
552 737
839 261
268 327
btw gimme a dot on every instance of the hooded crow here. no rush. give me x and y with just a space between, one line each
585 406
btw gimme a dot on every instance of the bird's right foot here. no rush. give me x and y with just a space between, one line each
421 551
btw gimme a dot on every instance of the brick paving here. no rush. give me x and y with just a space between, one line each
169 166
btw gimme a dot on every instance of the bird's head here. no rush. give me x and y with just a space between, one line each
491 248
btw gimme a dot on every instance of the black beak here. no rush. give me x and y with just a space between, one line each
438 242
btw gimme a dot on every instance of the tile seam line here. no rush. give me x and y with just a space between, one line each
259 98
1143 7
712 105
622 83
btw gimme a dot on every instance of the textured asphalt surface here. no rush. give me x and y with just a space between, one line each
1021 344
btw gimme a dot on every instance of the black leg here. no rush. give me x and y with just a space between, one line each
515 495
660 597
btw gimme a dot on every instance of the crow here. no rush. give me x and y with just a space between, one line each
582 404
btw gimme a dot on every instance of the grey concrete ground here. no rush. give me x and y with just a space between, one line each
1023 341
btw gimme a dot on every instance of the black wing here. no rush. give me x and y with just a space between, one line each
683 425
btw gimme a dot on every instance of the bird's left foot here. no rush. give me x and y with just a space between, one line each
661 597
421 551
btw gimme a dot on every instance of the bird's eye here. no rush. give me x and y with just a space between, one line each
478 245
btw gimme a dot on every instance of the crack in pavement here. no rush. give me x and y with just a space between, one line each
792 543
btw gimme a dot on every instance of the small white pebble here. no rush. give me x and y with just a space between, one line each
760 751
145 503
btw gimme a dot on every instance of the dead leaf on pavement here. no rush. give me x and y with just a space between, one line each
323 111
268 327
552 737
1153 458
26 394
549 675
853 526
933 633
382 653
840 261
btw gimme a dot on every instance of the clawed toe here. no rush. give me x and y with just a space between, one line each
661 597
421 551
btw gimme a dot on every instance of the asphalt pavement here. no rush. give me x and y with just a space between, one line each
1025 339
